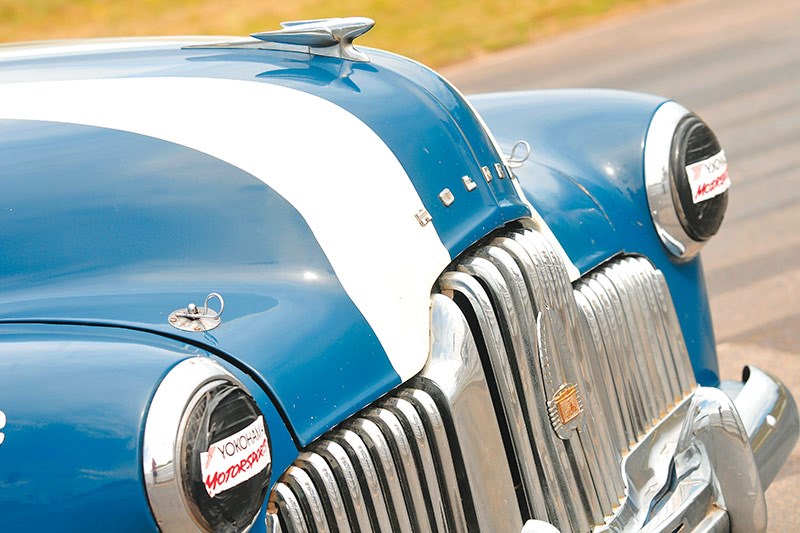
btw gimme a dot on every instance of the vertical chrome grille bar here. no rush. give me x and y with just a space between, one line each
652 332
447 476
612 312
634 321
348 479
583 459
388 473
454 376
289 508
274 523
665 373
629 315
680 356
423 457
607 414
520 344
362 462
302 485
505 370
590 437
615 390
406 466
322 476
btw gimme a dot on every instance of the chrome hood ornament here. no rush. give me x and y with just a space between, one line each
325 37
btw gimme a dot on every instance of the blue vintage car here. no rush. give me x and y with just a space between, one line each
286 284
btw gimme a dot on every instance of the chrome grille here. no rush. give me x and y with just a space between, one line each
389 469
481 423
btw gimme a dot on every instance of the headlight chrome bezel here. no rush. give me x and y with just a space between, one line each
666 210
164 435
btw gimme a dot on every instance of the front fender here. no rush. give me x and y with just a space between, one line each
75 400
585 177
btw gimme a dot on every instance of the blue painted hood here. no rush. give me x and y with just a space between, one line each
104 227
428 126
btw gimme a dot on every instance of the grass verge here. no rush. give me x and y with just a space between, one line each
436 32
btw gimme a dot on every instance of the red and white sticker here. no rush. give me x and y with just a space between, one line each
235 459
709 177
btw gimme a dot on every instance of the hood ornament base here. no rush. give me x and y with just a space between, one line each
322 37
325 37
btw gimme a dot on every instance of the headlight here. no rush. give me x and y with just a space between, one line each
206 455
687 181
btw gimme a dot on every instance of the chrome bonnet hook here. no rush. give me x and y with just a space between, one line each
197 319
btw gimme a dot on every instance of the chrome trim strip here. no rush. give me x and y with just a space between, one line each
657 148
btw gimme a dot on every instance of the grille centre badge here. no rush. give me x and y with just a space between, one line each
566 404
559 366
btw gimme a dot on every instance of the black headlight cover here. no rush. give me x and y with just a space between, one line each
699 176
224 410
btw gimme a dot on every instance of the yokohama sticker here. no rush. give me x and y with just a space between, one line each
708 178
235 459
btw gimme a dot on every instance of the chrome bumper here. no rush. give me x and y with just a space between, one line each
769 415
706 465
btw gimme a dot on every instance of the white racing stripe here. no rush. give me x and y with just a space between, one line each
36 49
341 177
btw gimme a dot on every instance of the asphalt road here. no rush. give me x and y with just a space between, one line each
736 63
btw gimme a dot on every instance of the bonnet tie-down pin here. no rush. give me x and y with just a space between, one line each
197 319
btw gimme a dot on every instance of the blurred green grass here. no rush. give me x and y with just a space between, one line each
436 32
